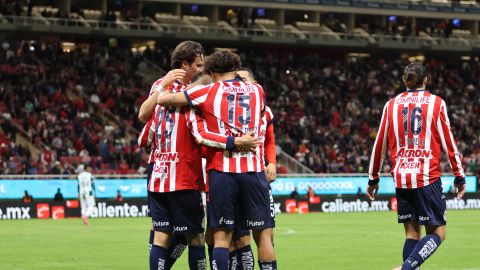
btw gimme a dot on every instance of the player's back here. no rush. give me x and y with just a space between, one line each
418 127
232 108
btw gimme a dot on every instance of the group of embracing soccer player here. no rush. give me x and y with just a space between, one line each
210 107
222 117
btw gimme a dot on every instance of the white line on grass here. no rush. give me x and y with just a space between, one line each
288 232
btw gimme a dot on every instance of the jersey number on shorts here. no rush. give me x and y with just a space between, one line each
415 120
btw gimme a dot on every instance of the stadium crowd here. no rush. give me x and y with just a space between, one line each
61 103
79 106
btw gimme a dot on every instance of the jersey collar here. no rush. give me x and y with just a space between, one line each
413 90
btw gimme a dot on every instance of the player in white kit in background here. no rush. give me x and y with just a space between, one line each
86 193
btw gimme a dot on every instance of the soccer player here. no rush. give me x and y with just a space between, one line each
186 61
416 127
232 107
242 254
86 193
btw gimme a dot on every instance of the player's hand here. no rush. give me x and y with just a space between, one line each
372 191
247 142
271 172
172 75
460 189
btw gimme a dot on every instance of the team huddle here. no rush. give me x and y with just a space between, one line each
212 108
222 117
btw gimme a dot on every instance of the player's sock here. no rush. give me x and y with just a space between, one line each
422 251
178 244
408 247
245 258
150 241
264 265
158 257
220 259
233 262
196 258
210 255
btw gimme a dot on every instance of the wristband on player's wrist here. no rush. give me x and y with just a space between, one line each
459 181
373 182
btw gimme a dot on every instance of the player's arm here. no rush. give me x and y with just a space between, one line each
270 148
147 107
193 97
450 147
271 154
146 136
170 99
378 155
208 138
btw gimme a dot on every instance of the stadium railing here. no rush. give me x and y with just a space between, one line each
150 29
292 164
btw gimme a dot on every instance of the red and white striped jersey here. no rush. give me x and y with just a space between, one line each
231 108
146 135
416 126
177 157
268 139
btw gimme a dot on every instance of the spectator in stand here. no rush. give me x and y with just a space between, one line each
58 196
294 194
359 193
119 197
310 193
27 198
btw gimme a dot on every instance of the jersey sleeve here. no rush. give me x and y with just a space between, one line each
448 142
270 147
197 95
156 86
379 147
146 136
202 135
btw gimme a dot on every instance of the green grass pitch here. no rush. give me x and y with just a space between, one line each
309 241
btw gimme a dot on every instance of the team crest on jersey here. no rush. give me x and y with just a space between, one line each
159 171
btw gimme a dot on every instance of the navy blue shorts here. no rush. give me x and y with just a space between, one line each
272 206
240 229
180 211
425 205
149 174
242 194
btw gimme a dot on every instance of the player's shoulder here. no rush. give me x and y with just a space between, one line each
269 114
157 82
258 86
156 85
268 110
436 97
201 87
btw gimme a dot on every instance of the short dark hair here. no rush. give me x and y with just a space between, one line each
186 51
249 71
414 75
222 61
